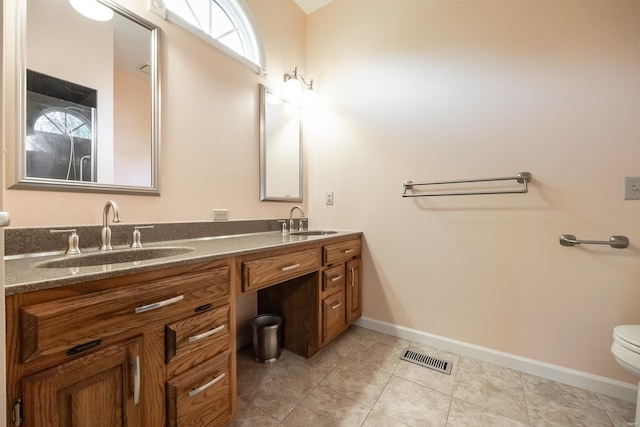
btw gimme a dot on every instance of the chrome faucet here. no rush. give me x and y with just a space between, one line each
105 234
291 218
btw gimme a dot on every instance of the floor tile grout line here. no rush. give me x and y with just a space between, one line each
526 400
378 398
453 388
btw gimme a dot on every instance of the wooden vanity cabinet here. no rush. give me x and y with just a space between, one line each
151 349
316 288
342 303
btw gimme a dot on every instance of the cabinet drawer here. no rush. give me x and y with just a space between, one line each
268 271
197 331
341 251
333 315
202 395
70 323
333 278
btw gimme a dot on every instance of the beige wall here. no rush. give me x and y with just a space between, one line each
209 130
439 89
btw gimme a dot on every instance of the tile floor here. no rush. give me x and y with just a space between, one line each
358 380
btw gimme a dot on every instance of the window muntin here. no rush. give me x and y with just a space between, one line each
62 122
222 22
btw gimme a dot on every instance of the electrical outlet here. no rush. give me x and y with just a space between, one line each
220 214
631 188
329 198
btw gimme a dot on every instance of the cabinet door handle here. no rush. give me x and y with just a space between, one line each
336 306
206 386
160 304
335 279
136 380
348 251
290 267
353 277
206 334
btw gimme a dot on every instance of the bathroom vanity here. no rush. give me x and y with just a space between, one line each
153 342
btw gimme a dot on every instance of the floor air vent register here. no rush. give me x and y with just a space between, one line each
427 361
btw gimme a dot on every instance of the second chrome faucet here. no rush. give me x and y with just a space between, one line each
300 221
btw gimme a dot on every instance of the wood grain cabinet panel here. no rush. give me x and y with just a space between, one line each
99 389
333 315
354 289
201 396
263 272
197 331
59 325
342 251
333 278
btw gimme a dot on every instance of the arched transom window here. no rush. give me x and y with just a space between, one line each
222 22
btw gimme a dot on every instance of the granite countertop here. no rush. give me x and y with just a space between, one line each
23 275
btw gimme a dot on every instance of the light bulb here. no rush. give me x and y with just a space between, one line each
92 9
292 89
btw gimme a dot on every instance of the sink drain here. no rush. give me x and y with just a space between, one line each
427 361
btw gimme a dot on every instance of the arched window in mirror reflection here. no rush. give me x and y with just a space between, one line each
224 23
66 136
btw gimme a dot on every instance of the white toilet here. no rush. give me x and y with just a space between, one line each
626 350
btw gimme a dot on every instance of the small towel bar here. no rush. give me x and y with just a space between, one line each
523 178
617 242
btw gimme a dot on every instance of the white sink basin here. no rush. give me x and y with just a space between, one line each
114 257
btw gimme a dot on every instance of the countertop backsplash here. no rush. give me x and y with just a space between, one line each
28 240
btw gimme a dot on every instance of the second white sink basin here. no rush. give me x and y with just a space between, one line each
114 257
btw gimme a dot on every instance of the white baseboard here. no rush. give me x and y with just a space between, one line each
595 383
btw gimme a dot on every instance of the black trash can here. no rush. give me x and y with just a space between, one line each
267 337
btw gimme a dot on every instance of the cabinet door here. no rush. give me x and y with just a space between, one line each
333 316
354 289
101 389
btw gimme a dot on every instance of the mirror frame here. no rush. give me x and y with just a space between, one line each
15 94
264 197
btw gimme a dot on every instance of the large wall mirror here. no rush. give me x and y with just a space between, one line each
280 149
87 99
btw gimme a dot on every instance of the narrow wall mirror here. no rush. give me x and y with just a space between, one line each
280 149
87 99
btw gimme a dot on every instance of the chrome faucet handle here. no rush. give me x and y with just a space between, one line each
74 241
284 225
136 243
301 224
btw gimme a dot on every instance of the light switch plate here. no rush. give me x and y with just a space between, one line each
329 198
631 188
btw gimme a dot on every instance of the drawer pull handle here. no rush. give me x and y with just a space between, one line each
353 277
83 347
348 251
206 386
335 279
290 267
206 334
136 380
336 306
160 304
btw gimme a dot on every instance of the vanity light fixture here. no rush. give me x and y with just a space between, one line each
293 85
92 9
